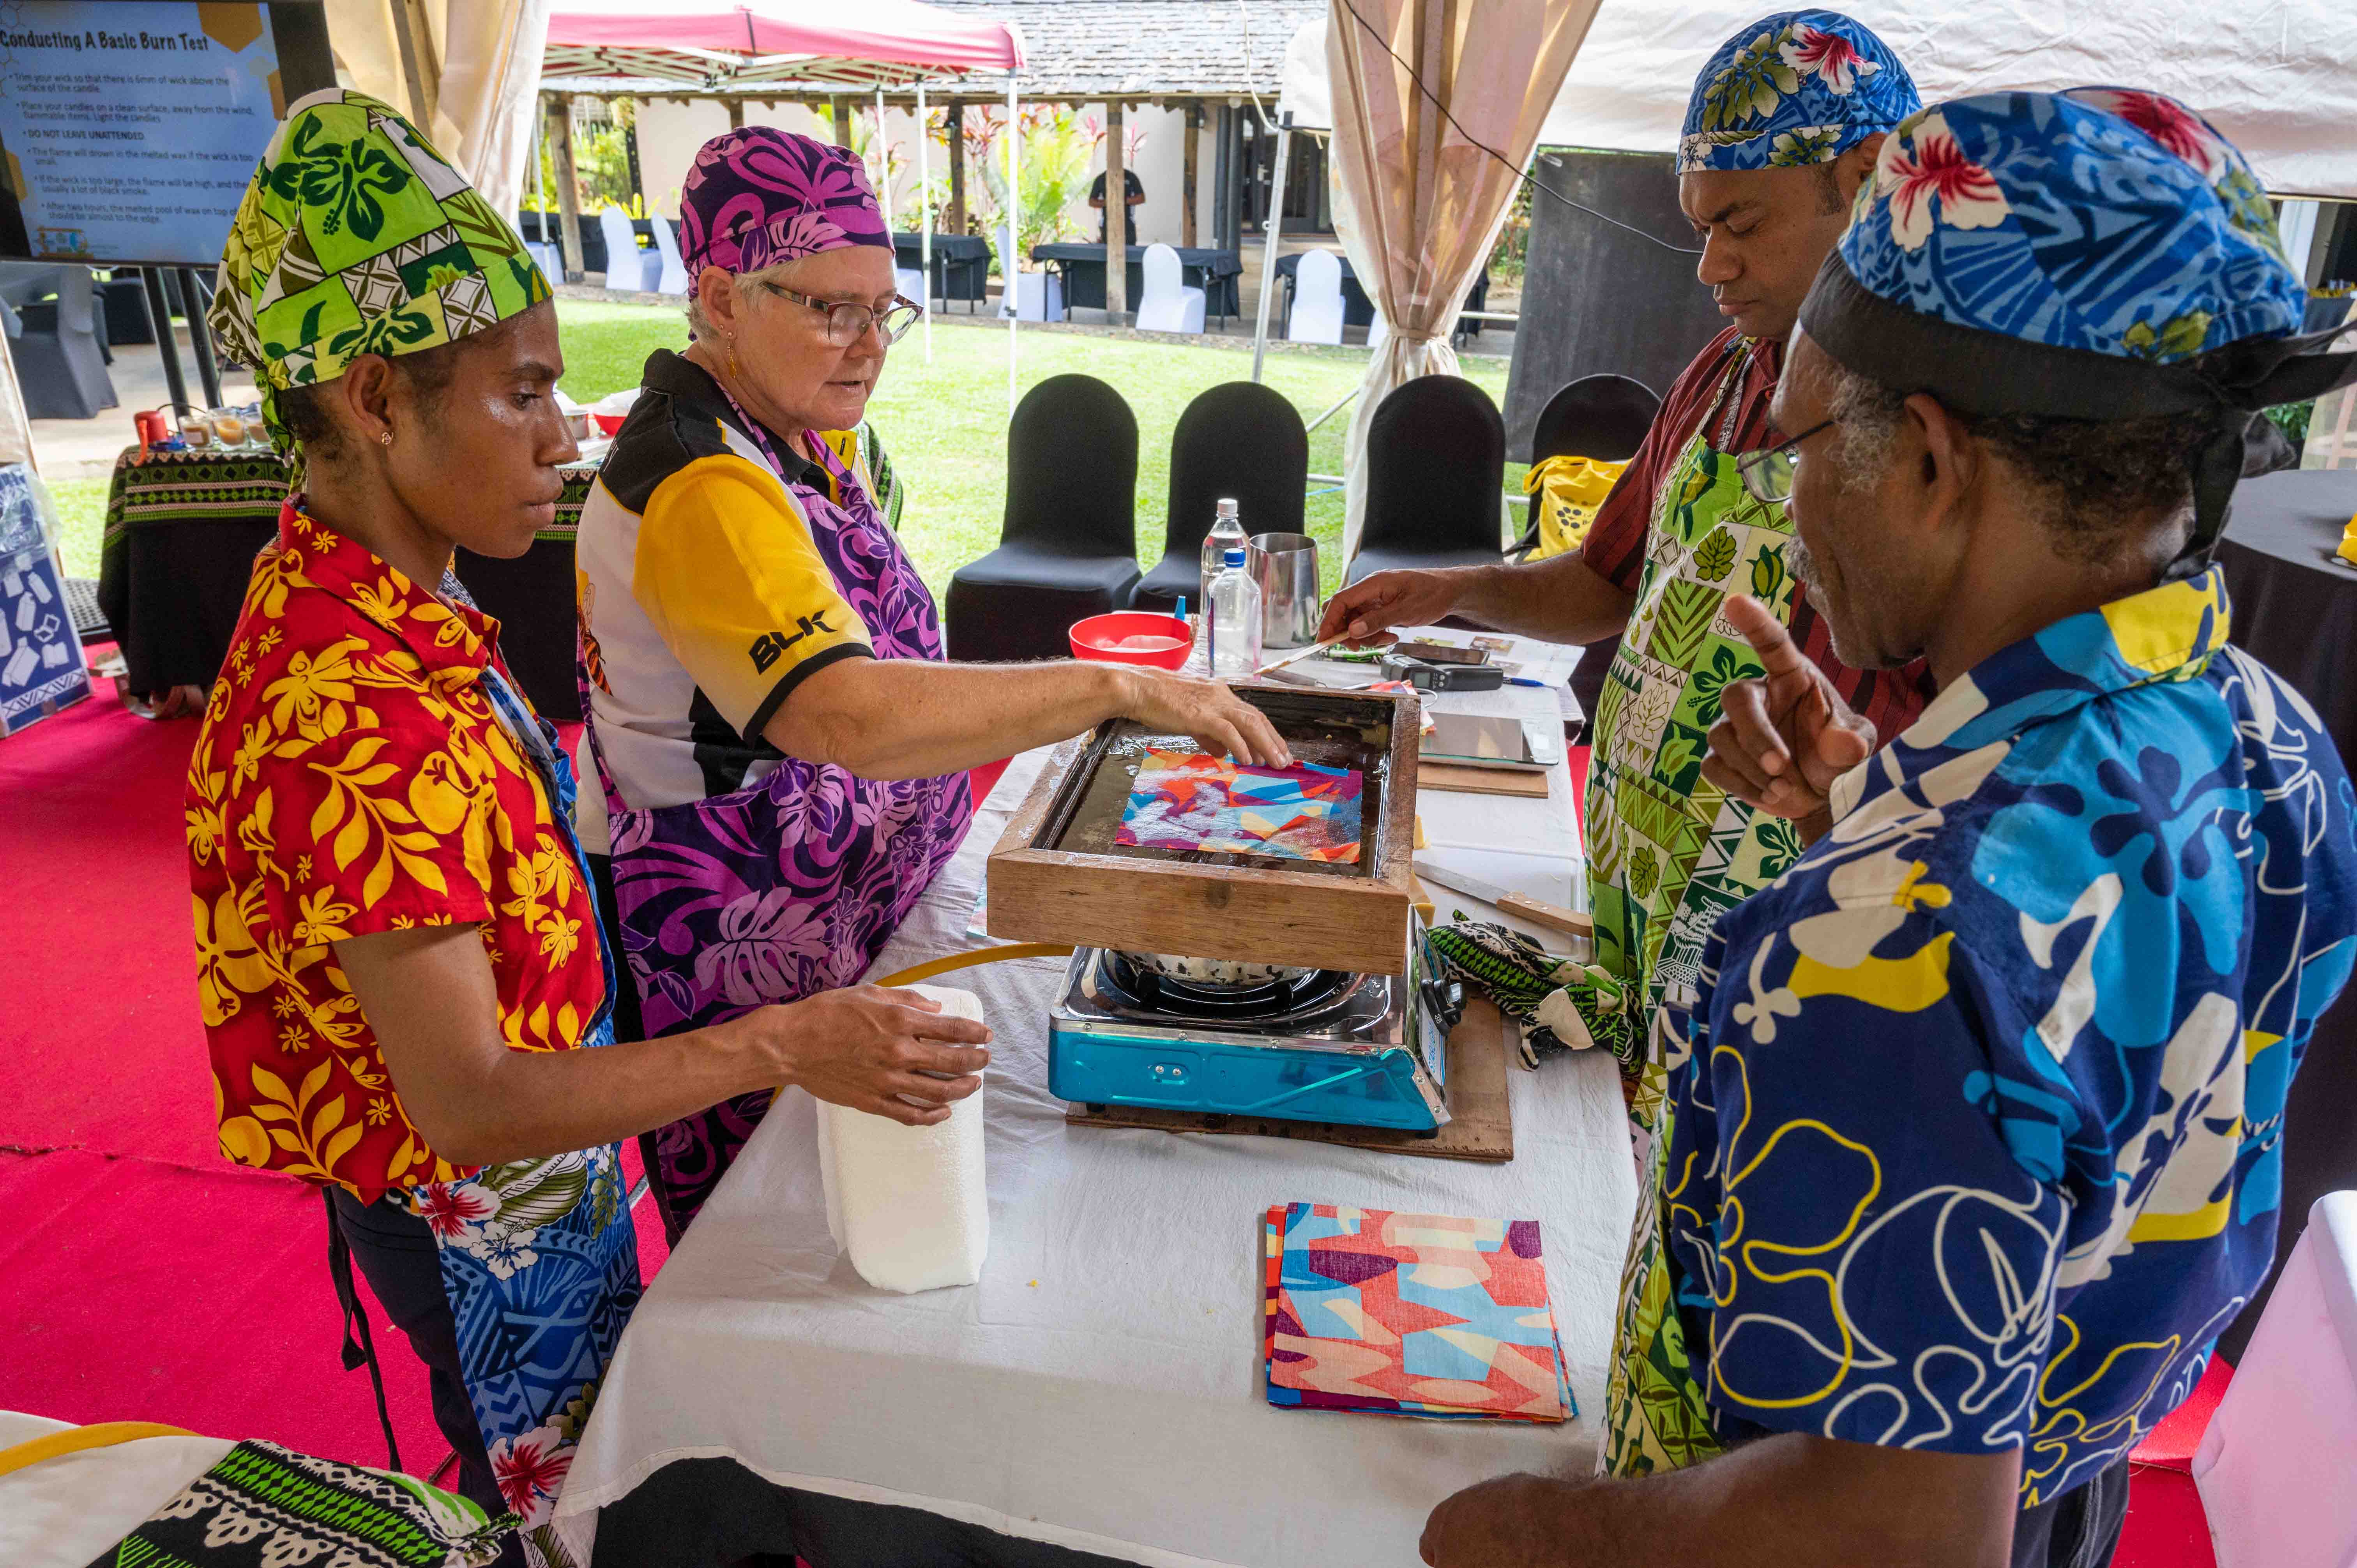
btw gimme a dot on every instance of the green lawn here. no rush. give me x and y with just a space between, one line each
82 518
946 423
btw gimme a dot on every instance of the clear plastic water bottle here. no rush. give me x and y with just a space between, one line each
1233 602
1227 533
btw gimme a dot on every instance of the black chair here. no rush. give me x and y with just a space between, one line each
1603 417
531 597
60 355
1238 439
1435 468
123 301
1068 548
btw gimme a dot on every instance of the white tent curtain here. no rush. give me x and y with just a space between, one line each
484 62
1427 172
2280 80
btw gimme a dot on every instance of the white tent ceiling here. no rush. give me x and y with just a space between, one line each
2280 78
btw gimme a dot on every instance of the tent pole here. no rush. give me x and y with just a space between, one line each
569 191
1116 205
1014 207
925 212
539 178
1270 225
883 160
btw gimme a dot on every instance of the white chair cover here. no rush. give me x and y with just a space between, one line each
1317 313
670 272
1168 305
626 265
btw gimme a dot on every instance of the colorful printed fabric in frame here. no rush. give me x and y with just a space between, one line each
1194 801
1418 1315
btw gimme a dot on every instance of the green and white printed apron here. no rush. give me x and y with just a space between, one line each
1668 854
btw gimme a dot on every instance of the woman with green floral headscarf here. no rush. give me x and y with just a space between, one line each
397 939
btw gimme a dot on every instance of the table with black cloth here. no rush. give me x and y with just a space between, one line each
1358 310
961 263
2295 609
1083 268
182 530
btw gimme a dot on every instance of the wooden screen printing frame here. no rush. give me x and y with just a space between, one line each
1357 923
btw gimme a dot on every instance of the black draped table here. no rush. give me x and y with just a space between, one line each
961 263
1083 269
2295 609
182 530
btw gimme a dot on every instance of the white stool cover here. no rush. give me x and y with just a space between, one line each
2277 1470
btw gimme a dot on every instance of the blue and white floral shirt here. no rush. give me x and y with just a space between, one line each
1978 1139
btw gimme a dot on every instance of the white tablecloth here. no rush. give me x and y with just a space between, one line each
1101 1388
67 1511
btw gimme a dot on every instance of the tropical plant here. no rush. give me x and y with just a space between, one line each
1510 256
2292 418
1055 153
601 160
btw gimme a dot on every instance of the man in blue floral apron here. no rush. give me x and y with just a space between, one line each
1782 130
1977 1112
781 749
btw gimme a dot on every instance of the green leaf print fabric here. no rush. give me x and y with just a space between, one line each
1668 854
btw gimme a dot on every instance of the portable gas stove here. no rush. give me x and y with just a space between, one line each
1367 1050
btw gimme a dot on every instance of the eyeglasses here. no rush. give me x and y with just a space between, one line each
1768 474
846 322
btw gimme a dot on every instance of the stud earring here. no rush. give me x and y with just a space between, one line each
384 437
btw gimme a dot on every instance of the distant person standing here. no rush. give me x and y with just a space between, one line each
1133 197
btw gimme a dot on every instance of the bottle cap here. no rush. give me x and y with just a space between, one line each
1227 506
1235 558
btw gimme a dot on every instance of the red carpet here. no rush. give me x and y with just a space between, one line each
137 1290
146 1277
100 1044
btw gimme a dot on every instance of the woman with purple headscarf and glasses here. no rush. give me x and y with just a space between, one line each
781 749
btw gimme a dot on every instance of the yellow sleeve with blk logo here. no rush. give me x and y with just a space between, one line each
727 572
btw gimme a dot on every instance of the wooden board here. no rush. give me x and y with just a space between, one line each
1228 906
1481 780
1481 1125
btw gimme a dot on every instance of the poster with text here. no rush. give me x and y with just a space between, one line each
128 131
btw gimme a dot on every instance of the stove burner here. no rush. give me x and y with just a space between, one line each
1133 984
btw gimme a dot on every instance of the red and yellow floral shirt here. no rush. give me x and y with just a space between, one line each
353 778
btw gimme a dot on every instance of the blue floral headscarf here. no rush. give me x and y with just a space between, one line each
2100 254
1797 88
2103 218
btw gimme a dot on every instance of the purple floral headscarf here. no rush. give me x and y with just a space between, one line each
759 195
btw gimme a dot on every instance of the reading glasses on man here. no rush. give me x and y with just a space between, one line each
847 321
1767 474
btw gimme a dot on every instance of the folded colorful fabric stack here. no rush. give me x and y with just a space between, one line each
1194 801
1425 1314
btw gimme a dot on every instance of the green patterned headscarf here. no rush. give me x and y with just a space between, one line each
356 237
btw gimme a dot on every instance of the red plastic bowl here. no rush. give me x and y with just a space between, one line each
1094 638
608 423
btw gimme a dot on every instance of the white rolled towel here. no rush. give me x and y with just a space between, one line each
908 1204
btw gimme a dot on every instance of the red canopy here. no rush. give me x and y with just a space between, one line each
869 43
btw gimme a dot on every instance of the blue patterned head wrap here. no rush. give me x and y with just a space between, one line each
2098 254
1798 87
2103 218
